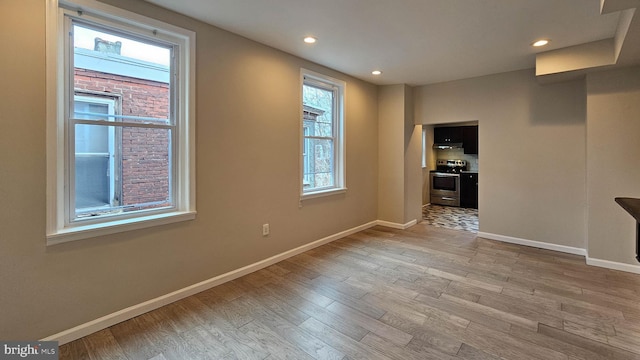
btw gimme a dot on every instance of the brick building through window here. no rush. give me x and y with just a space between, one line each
135 161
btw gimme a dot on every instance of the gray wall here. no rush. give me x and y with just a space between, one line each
613 156
247 174
532 146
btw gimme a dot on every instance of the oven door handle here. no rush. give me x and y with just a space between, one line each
448 198
445 175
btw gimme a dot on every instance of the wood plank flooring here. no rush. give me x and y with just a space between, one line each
422 293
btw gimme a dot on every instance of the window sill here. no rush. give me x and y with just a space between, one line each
321 193
117 226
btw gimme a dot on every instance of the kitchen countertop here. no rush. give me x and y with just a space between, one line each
631 205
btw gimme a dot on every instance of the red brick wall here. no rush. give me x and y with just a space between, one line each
145 158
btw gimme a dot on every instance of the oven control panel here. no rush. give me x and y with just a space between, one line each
451 163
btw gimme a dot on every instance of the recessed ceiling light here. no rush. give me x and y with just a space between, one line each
310 40
376 72
541 42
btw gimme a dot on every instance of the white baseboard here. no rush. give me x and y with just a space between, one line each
397 225
104 322
533 243
565 249
613 265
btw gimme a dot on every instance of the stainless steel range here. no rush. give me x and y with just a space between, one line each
445 182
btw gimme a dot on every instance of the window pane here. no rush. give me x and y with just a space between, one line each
92 180
146 167
132 174
318 164
136 70
324 129
90 111
94 166
320 99
93 139
318 154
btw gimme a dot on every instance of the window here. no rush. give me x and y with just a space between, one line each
322 135
97 187
120 129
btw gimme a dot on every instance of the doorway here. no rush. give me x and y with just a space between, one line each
457 218
464 217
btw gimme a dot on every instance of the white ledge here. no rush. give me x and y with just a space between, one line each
117 226
321 193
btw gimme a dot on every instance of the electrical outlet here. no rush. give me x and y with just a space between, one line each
265 229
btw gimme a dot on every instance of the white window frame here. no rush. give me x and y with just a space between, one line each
339 146
59 228
306 148
424 147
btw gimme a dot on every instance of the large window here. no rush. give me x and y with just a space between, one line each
323 135
120 134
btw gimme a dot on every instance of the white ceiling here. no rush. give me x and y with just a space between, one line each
412 41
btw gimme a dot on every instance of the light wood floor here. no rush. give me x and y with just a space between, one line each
423 293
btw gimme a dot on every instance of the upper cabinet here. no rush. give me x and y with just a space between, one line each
465 135
470 139
450 134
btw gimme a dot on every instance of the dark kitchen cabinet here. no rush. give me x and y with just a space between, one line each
470 139
449 134
469 190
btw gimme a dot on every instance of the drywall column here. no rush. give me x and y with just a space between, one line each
613 125
412 161
399 140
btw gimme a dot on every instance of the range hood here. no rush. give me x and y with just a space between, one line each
447 146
